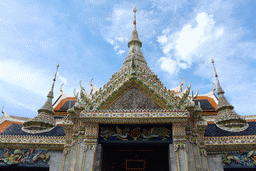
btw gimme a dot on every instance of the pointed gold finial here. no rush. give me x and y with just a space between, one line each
181 84
134 22
214 88
61 88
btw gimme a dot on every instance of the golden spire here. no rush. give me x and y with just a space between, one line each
134 22
135 37
181 84
61 88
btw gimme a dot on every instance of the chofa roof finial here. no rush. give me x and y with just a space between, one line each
3 112
214 88
61 88
181 84
92 86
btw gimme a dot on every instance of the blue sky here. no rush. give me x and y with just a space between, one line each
89 40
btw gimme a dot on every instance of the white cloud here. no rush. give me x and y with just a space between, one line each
116 47
207 37
24 76
120 52
62 79
122 39
166 5
190 43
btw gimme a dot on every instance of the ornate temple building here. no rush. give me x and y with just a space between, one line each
132 123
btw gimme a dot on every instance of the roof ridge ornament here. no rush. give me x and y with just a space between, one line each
61 88
91 85
4 113
181 84
214 88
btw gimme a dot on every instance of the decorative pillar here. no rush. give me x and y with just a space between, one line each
90 143
68 127
180 148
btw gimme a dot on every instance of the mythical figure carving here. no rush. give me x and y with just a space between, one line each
19 156
136 133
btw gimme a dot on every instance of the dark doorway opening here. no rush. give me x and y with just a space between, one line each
139 157
19 168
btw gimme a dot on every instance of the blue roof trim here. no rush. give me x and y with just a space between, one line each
15 129
213 131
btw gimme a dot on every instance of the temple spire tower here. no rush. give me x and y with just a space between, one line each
227 119
45 118
135 58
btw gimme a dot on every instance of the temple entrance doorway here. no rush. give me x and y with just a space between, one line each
135 157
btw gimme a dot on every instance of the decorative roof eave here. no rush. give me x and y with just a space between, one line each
245 142
136 120
12 118
135 116
30 141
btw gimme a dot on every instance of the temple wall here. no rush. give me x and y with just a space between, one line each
77 159
215 162
172 158
190 160
98 158
56 160
193 160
